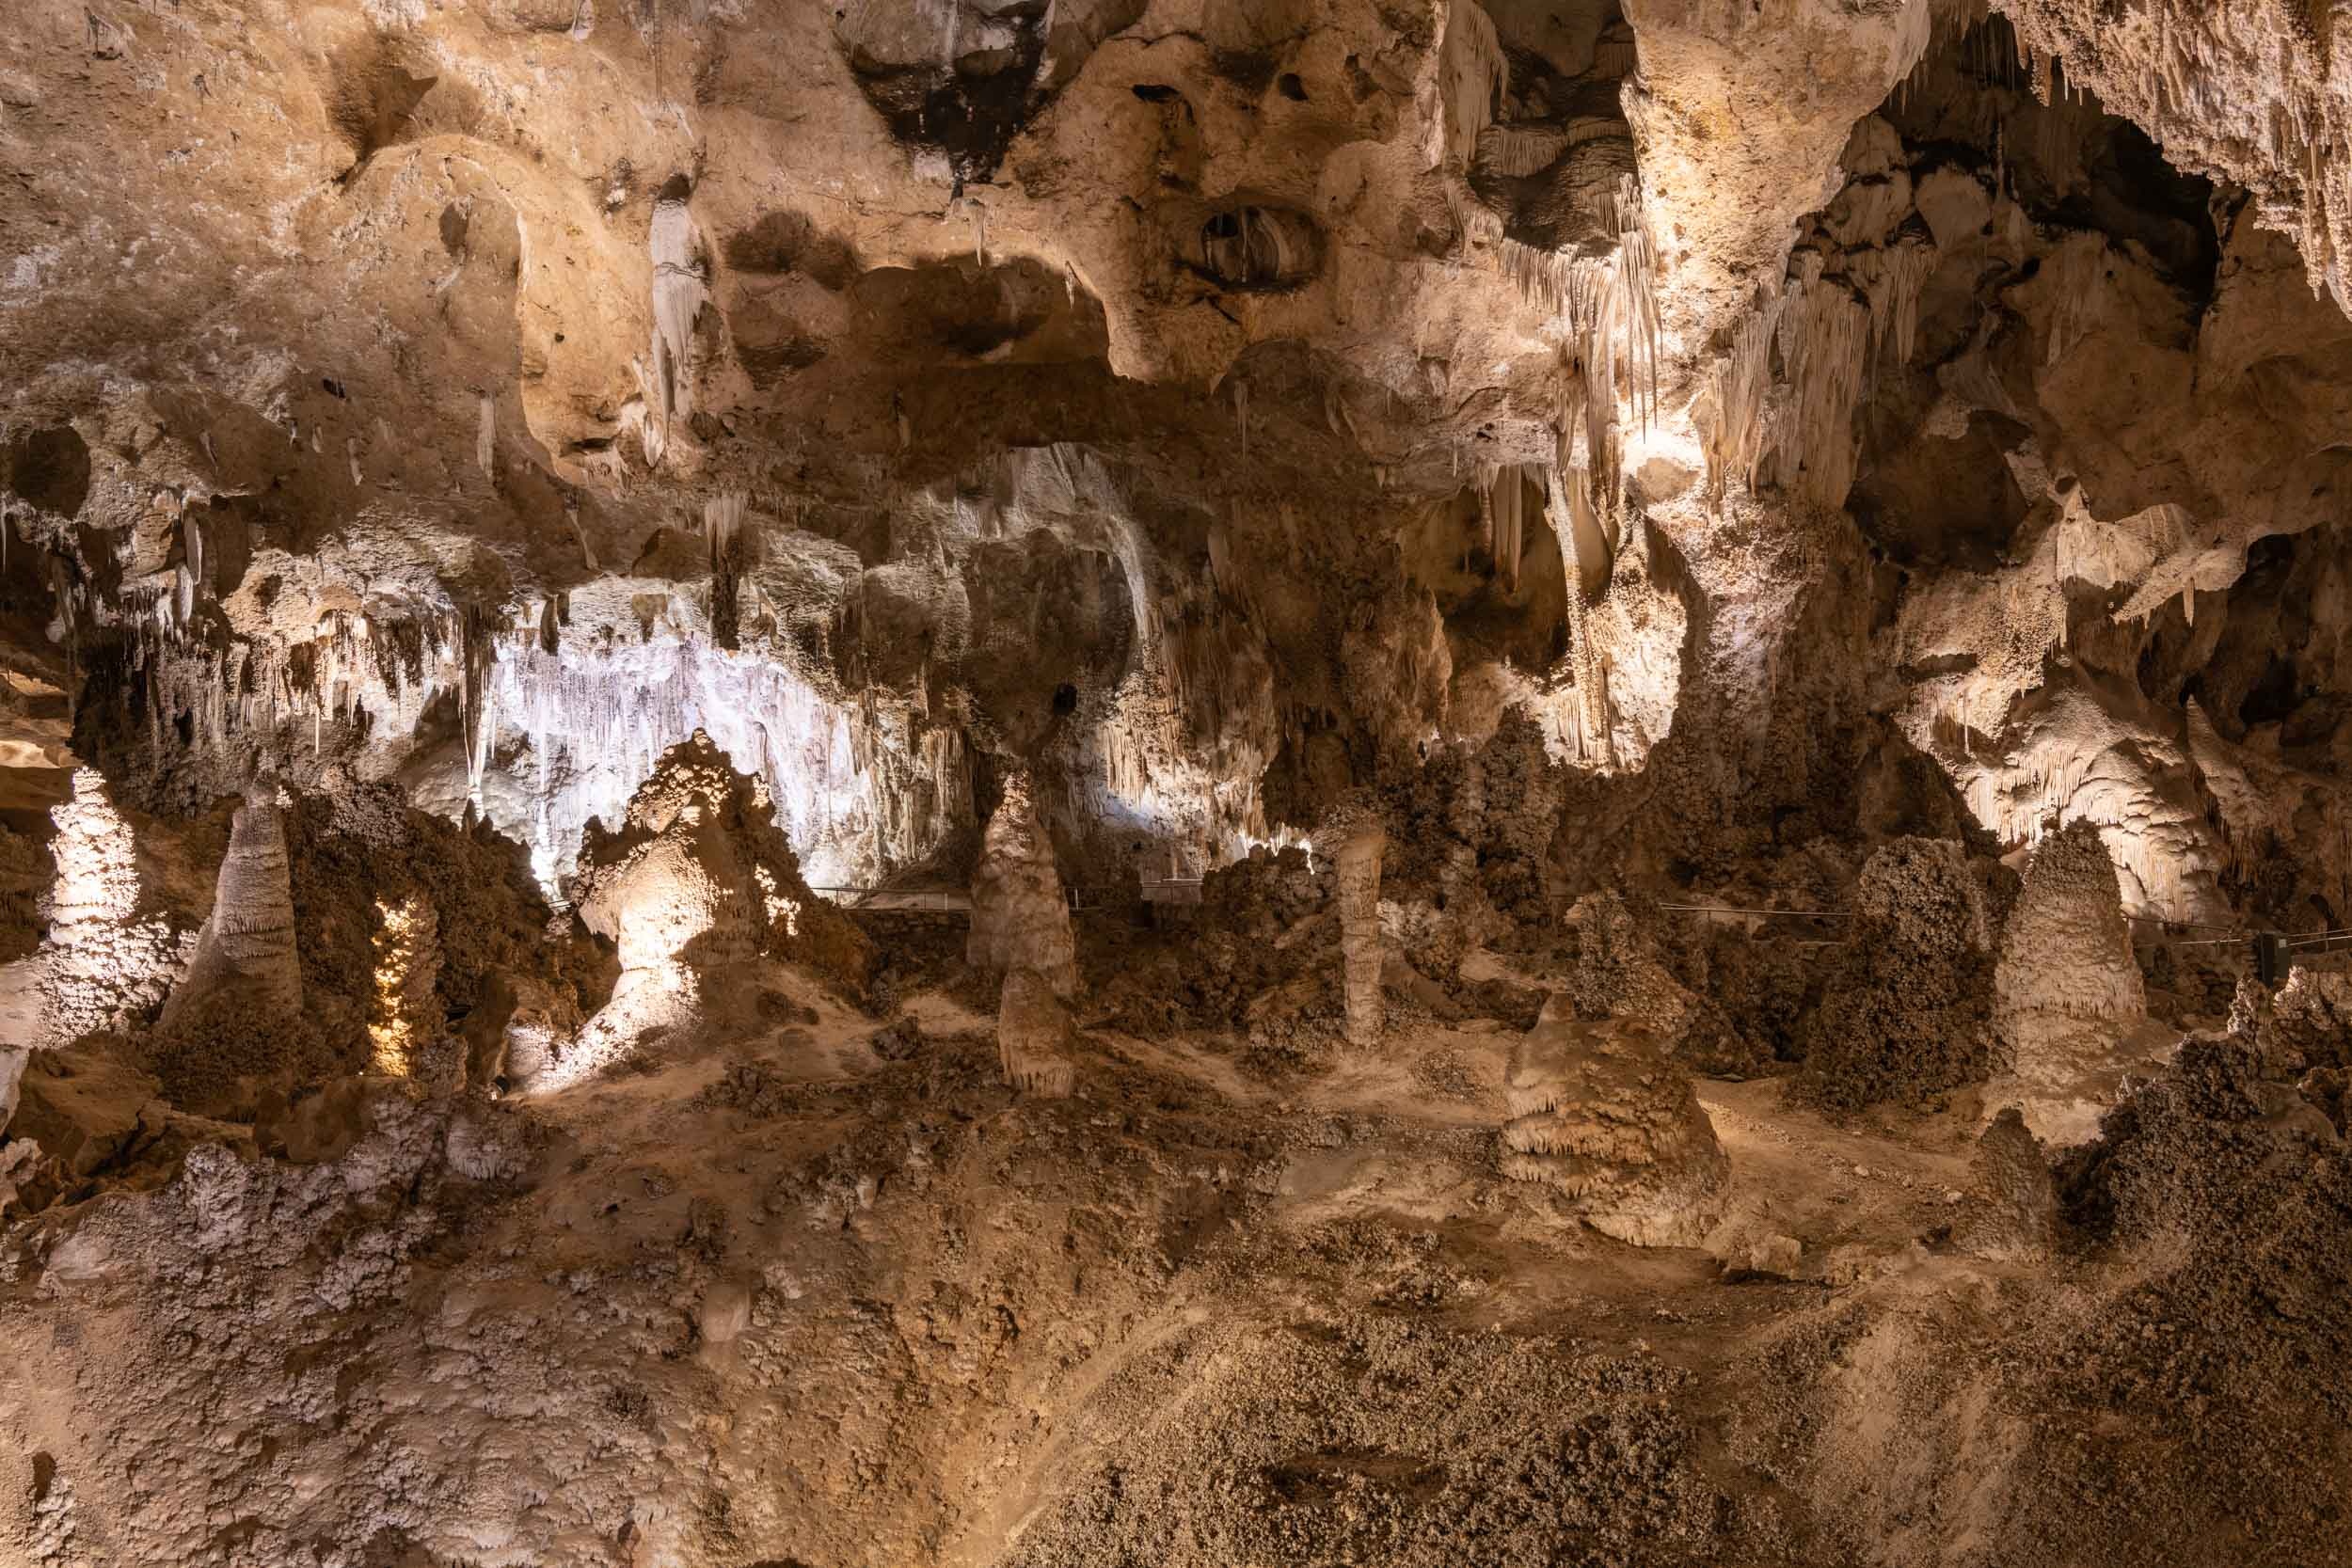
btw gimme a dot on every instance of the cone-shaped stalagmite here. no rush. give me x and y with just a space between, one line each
1600 1111
249 940
2069 1007
1020 919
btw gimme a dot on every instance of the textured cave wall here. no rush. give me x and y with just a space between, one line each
1207 414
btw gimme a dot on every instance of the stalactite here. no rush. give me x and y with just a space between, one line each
1473 77
1607 306
1515 152
722 522
679 292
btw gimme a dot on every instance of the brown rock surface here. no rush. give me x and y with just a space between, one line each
1354 479
1600 1111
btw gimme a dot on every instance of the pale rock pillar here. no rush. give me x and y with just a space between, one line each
249 943
1020 918
1357 858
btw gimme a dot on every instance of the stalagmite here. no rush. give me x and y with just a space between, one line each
2070 1007
1034 1036
771 433
246 949
1019 917
1600 1111
1355 845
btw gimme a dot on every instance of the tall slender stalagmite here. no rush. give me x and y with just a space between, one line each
1358 851
1020 919
249 940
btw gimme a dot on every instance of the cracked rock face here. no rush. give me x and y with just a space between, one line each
870 784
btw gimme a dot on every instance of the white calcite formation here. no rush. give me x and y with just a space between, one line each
1600 1111
105 958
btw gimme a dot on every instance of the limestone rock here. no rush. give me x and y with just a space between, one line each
1035 1036
1020 918
1600 1111
85 1108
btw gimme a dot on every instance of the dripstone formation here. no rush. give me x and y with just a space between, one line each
984 784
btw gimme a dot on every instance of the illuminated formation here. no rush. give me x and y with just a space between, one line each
103 959
1029 784
247 948
406 963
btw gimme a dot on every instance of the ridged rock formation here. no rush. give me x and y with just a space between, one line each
2069 1005
1357 853
2067 952
1600 1111
247 948
1019 917
1393 468
1034 1036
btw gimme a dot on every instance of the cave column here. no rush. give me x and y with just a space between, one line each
1357 857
